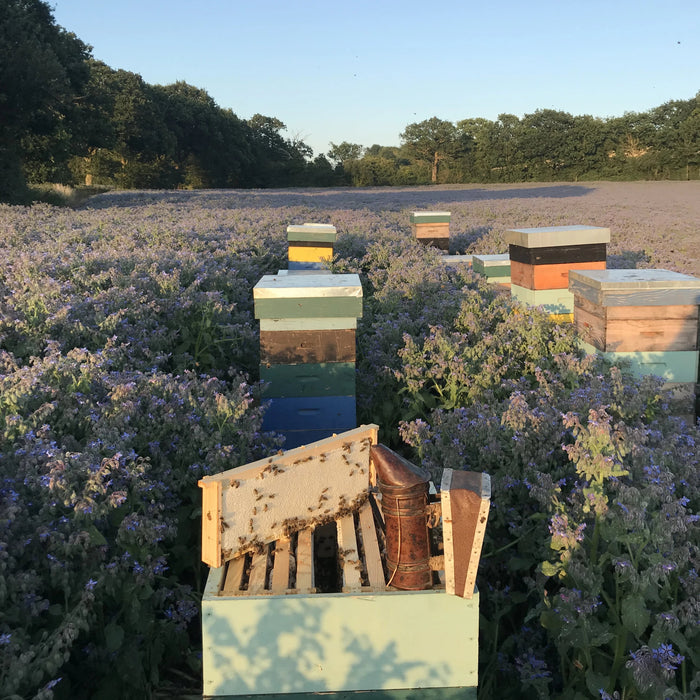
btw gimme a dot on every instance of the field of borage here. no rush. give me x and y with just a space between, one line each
128 370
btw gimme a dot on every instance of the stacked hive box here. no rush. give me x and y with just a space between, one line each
310 246
432 228
649 317
540 260
496 268
307 352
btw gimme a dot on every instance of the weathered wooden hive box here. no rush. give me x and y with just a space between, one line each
496 268
297 603
310 246
307 352
432 228
541 258
649 317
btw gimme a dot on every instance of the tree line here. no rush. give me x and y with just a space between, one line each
66 117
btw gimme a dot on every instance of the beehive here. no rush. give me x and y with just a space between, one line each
432 228
496 268
307 352
310 611
648 317
541 258
310 246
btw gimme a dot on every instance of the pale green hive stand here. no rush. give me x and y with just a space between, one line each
397 644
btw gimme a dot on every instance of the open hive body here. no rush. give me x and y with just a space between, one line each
306 609
541 258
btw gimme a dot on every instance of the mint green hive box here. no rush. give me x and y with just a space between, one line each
496 268
291 646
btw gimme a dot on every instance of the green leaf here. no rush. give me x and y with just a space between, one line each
595 681
635 616
114 636
96 537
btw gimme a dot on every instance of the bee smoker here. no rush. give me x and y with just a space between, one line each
404 490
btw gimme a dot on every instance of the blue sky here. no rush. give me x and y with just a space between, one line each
361 71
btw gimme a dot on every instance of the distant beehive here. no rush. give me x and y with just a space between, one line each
541 258
432 228
310 246
307 352
496 268
649 317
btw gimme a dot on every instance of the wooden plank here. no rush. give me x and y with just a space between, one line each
635 287
430 217
465 498
330 285
349 554
373 559
502 271
610 313
438 231
328 307
481 263
312 232
310 413
589 326
326 379
548 276
305 561
304 253
269 499
280 570
550 236
553 255
258 571
651 335
308 324
211 524
290 347
234 576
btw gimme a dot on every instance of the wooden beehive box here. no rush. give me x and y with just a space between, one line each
649 317
310 245
307 352
308 296
432 228
271 623
540 260
496 268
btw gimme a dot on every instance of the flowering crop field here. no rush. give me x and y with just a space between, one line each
129 369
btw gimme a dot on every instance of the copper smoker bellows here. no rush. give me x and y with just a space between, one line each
404 490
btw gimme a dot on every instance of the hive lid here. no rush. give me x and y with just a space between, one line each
550 236
288 286
654 287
